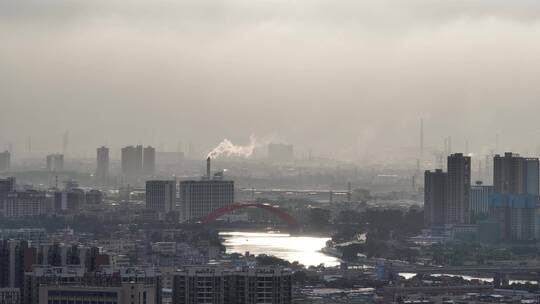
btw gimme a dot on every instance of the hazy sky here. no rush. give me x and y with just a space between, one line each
349 78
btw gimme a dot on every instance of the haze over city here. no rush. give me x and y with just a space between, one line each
349 79
269 151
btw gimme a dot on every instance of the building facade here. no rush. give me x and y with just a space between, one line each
94 197
457 210
435 184
10 296
161 195
35 236
7 185
55 162
515 174
70 200
149 161
15 258
132 160
200 198
514 202
5 161
102 165
480 200
516 215
24 204
68 285
532 178
232 286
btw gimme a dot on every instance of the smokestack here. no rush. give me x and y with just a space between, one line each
208 160
421 139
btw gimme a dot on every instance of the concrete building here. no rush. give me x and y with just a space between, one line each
516 215
93 197
35 236
149 161
10 296
132 161
7 185
55 162
24 204
5 161
232 286
457 209
70 184
532 178
161 195
69 200
280 152
102 165
58 254
435 184
514 203
200 198
56 285
515 174
480 200
15 259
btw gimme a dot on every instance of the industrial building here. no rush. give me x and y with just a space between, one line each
199 198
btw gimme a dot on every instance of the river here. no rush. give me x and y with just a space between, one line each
304 249
408 275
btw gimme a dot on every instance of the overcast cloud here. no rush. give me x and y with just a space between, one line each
346 78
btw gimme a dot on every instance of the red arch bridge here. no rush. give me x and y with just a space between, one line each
287 218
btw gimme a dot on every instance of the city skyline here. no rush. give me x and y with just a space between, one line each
269 151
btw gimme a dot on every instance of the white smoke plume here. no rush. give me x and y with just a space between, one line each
227 148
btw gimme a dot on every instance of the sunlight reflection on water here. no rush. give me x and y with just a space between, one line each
304 249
